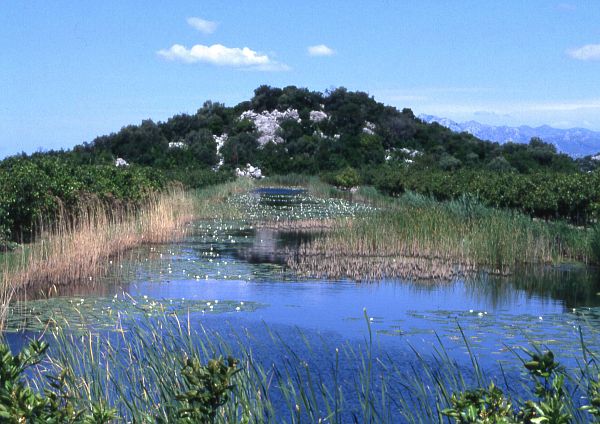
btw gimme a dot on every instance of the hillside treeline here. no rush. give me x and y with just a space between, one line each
346 137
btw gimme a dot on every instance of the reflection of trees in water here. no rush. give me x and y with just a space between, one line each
575 286
273 246
117 278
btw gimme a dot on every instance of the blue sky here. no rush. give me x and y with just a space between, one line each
72 70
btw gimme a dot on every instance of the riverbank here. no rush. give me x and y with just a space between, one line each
306 351
80 246
417 237
414 236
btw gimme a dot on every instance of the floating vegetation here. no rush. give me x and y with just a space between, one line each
263 206
415 237
81 247
109 313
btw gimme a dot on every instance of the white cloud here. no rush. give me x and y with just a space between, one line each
587 52
218 54
320 50
202 25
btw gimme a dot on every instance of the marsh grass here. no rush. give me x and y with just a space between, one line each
137 370
417 236
213 202
80 246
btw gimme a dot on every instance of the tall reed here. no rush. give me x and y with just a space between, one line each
211 202
419 236
81 245
284 377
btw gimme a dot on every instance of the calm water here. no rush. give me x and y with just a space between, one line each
234 263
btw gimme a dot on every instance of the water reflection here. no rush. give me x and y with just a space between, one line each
573 285
238 261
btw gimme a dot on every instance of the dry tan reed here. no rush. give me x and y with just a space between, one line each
80 247
373 268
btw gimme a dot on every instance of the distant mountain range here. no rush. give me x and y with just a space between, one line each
576 142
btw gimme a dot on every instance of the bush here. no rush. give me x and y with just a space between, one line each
346 178
33 190
489 405
208 388
199 177
20 404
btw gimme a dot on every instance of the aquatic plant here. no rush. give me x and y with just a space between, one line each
415 236
124 371
595 243
19 403
82 246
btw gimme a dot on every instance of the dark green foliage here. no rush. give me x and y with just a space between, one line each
482 406
487 406
571 196
240 149
500 164
208 389
346 178
548 377
19 403
388 148
194 178
34 189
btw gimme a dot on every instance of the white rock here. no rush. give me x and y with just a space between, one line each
220 140
249 171
177 145
121 162
268 123
369 128
317 116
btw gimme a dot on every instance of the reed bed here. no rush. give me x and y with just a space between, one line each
282 378
374 268
80 247
213 202
401 236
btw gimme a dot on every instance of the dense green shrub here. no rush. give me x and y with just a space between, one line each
199 177
489 405
34 189
346 178
19 403
571 196
207 389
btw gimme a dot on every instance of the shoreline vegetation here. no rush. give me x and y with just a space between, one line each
417 237
98 371
80 246
410 237
100 374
